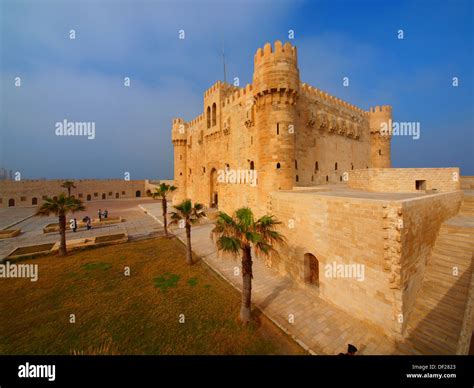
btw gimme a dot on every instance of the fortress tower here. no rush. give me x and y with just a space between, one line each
380 141
276 84
178 136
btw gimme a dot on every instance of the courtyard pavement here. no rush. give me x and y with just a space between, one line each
137 224
318 326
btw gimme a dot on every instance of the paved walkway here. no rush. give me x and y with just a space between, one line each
317 325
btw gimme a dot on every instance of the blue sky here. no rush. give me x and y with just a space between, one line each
82 79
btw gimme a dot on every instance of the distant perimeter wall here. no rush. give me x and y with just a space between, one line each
33 192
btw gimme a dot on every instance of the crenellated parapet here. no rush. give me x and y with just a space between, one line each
276 71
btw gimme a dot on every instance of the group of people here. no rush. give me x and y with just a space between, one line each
87 220
103 214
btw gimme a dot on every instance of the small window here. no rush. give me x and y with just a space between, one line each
335 166
420 185
297 178
278 165
340 178
312 178
180 174
80 195
296 165
352 166
278 128
327 178
110 193
380 152
316 166
204 170
22 199
252 165
123 192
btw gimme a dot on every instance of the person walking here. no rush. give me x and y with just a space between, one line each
100 214
106 213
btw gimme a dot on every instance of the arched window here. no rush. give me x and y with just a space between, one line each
89 197
214 114
11 202
297 178
34 201
296 165
278 165
208 116
252 165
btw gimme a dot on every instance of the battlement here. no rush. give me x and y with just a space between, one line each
381 109
238 94
178 121
312 91
268 53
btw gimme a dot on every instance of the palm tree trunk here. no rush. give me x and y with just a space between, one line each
62 232
164 205
69 192
245 309
189 252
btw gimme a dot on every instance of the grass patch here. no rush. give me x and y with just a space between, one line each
166 281
118 314
193 282
94 266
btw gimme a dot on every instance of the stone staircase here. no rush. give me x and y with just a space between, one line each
435 324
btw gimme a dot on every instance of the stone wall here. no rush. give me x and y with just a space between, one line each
32 192
399 180
467 182
391 239
422 219
342 231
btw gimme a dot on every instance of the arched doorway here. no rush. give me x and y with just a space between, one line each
89 197
138 194
11 202
213 197
103 195
34 201
311 270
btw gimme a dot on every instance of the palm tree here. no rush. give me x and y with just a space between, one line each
161 192
189 215
238 234
60 207
68 185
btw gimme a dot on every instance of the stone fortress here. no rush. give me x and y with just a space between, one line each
323 167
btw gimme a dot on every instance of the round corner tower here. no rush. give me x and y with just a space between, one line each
178 137
380 124
275 89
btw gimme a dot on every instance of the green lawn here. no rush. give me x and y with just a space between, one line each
139 314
